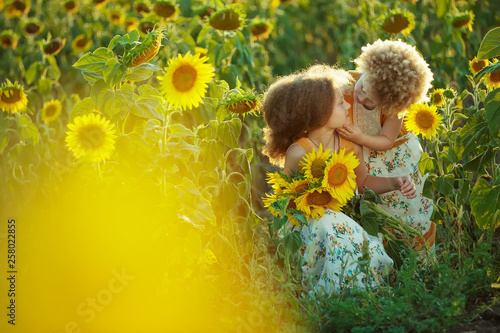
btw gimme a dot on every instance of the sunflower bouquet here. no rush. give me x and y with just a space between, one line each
323 181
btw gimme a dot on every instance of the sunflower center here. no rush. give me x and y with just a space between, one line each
11 96
19 5
184 78
461 22
115 17
53 47
32 28
7 41
51 110
319 199
291 204
396 24
301 188
479 65
91 137
437 98
424 120
337 175
142 8
70 5
317 168
164 10
146 27
81 42
495 77
226 21
260 29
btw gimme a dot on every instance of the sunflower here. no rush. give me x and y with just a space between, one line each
81 43
260 29
9 39
313 202
297 187
277 182
91 137
313 164
71 6
144 51
54 46
116 17
476 65
274 4
17 8
200 51
100 3
32 28
131 22
423 119
339 175
205 11
13 98
146 26
166 10
242 104
437 97
227 19
1 4
268 202
463 20
492 80
399 21
185 80
51 110
142 7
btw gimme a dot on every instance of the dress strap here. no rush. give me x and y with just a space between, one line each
304 143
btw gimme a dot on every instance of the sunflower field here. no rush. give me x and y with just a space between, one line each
132 175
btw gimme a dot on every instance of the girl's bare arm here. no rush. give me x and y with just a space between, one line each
384 141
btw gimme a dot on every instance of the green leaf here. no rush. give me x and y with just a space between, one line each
4 140
292 241
91 77
492 112
85 106
426 164
396 249
53 71
480 161
490 46
94 62
32 72
444 184
229 132
113 72
442 7
142 72
28 129
180 130
485 204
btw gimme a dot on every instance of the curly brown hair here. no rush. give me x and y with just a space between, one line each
395 75
298 103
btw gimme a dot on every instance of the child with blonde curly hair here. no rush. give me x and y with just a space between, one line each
393 76
302 112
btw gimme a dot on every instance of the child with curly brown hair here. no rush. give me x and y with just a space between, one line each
393 76
302 112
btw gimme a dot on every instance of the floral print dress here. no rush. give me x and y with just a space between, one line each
337 252
401 160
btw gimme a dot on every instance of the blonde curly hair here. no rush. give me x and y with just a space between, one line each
395 75
298 103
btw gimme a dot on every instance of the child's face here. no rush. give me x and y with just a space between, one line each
360 95
340 113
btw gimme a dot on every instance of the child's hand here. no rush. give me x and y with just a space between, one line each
407 187
350 132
